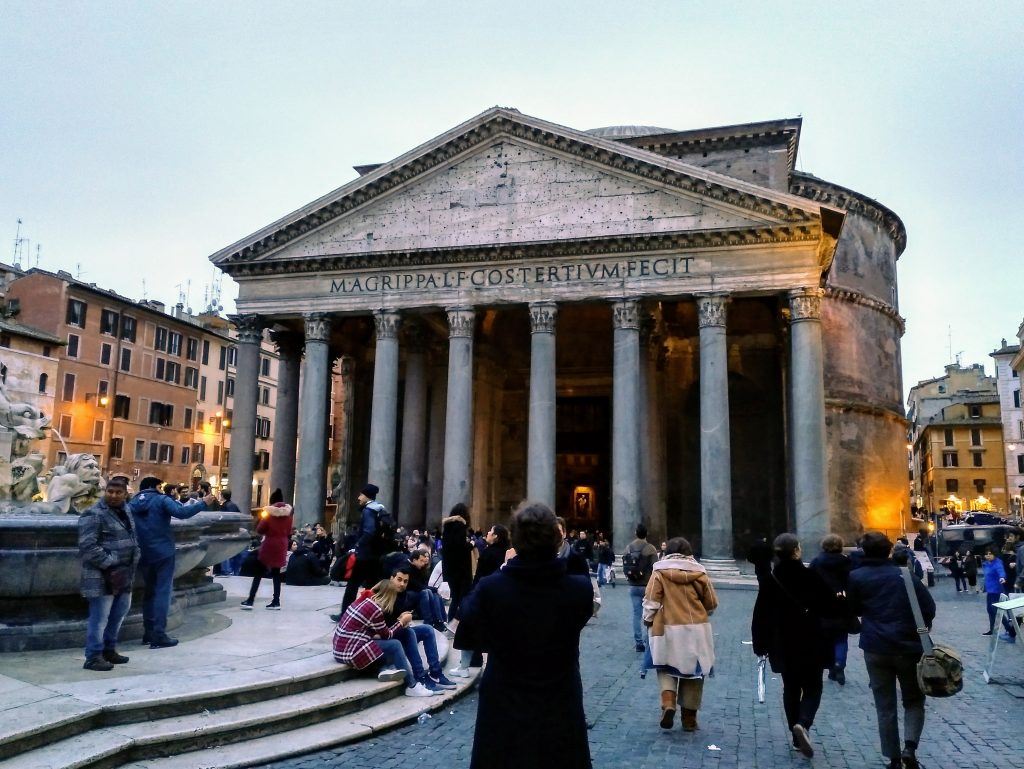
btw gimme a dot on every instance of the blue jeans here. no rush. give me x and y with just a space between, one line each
602 574
394 656
842 649
636 595
106 614
990 599
429 605
156 600
411 637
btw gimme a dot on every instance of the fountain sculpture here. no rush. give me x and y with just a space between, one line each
40 607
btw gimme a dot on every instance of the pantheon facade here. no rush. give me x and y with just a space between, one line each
628 324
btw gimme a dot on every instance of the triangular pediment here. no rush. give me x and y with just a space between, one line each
505 179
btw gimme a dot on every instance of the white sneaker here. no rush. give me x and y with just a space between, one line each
419 690
390 674
458 672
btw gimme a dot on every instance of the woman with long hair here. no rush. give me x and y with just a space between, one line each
456 560
792 602
275 525
492 559
363 638
676 607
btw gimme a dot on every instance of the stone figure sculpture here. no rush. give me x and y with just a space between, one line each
69 487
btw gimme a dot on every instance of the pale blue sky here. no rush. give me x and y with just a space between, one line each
138 138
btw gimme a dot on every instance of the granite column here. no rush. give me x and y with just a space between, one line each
384 414
625 422
412 481
243 417
286 413
540 471
311 483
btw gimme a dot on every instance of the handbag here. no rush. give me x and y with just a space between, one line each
251 565
940 671
117 579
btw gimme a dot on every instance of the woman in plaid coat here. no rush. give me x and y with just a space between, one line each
363 638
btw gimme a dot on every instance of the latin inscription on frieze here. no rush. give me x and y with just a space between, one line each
520 276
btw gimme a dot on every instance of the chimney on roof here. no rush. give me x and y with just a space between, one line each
1004 341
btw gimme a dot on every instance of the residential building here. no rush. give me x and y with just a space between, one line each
28 367
126 379
1008 384
956 438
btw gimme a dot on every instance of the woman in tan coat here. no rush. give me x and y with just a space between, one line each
677 604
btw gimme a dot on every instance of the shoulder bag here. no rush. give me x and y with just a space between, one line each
940 672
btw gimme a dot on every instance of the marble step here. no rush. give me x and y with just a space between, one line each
81 707
245 734
110 745
307 739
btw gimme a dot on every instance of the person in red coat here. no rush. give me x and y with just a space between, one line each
276 527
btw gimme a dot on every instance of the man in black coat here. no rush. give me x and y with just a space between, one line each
529 616
891 644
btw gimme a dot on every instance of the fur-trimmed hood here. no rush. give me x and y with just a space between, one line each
278 509
680 568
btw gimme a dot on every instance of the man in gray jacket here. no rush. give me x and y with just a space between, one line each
110 554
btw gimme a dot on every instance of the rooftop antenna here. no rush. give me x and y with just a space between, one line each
21 245
949 341
144 296
78 270
958 358
39 248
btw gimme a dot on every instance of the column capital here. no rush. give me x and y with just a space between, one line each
387 323
250 328
288 343
318 326
805 303
711 310
460 322
542 317
626 314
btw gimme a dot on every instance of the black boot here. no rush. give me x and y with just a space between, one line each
111 656
97 663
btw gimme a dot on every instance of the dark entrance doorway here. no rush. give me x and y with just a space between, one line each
583 463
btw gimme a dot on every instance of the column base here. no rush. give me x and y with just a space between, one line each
721 567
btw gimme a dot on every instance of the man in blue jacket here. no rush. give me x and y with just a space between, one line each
153 512
891 644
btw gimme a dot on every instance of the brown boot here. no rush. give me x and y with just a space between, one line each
668 709
689 720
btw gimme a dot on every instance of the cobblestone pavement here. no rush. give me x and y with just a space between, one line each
977 728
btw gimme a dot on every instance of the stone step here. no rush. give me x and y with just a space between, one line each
345 711
308 739
144 698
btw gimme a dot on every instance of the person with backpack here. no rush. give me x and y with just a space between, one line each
637 565
376 528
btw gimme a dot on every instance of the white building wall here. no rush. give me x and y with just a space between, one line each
1008 383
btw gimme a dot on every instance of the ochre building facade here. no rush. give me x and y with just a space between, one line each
629 324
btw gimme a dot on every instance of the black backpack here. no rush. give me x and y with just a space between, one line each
384 531
632 565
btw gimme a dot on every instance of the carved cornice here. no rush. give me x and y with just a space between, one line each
543 316
501 125
805 304
855 297
387 323
830 194
460 322
318 327
711 310
288 343
546 249
250 328
626 314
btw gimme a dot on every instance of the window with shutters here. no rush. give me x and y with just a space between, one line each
122 406
188 418
174 343
72 347
68 393
140 450
128 325
160 342
116 448
65 426
97 430
108 322
76 313
192 348
105 352
950 459
126 360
